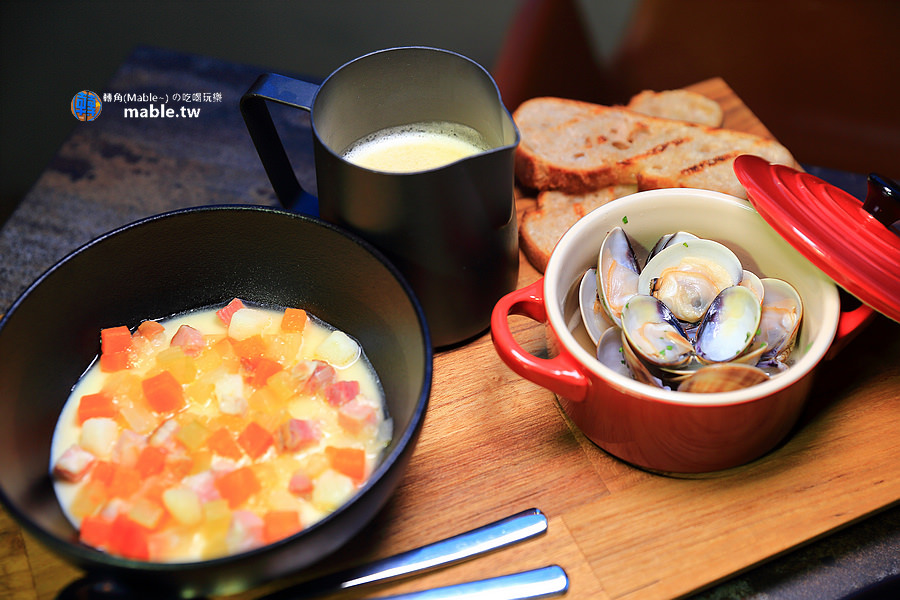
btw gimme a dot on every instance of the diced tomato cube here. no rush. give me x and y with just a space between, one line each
228 310
295 434
348 461
128 538
95 531
341 392
255 440
163 392
260 368
110 362
125 482
115 343
222 443
150 329
73 464
294 320
103 472
238 486
96 405
190 340
279 524
115 339
251 347
151 461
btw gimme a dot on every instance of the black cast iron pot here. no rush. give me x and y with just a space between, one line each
176 262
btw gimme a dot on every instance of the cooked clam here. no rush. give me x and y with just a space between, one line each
589 305
722 377
752 281
617 273
688 276
782 311
654 332
610 351
729 325
670 239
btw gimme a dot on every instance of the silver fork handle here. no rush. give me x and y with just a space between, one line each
496 535
538 583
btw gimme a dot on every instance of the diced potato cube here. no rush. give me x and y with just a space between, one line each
98 436
247 322
230 394
331 490
339 349
145 512
183 504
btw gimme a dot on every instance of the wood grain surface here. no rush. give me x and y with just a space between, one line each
494 444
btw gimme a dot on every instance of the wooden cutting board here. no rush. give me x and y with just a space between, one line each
494 444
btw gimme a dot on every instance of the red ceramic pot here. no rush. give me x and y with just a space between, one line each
656 428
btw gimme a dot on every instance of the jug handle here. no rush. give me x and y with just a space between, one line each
289 92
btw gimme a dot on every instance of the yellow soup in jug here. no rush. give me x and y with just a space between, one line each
415 147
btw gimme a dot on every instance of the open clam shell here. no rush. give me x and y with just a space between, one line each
689 275
722 377
590 307
654 332
782 312
729 325
617 273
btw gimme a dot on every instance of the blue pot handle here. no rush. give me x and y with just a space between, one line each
289 92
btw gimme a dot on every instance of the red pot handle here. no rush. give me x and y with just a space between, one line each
850 324
562 374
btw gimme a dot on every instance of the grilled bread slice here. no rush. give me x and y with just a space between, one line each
578 147
681 105
553 215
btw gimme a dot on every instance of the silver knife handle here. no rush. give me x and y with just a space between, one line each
538 583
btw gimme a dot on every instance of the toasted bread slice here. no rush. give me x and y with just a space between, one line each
578 147
681 105
553 215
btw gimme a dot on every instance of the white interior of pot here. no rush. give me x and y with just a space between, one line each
645 217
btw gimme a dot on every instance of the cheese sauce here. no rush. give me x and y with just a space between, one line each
274 425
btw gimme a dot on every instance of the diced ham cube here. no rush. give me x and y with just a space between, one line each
73 464
128 448
229 309
164 434
204 485
190 340
303 370
245 532
300 484
341 392
295 434
356 415
323 375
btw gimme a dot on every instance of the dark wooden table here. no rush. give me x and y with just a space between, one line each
116 170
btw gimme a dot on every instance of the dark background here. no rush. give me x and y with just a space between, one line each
823 75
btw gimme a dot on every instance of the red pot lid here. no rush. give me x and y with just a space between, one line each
830 228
